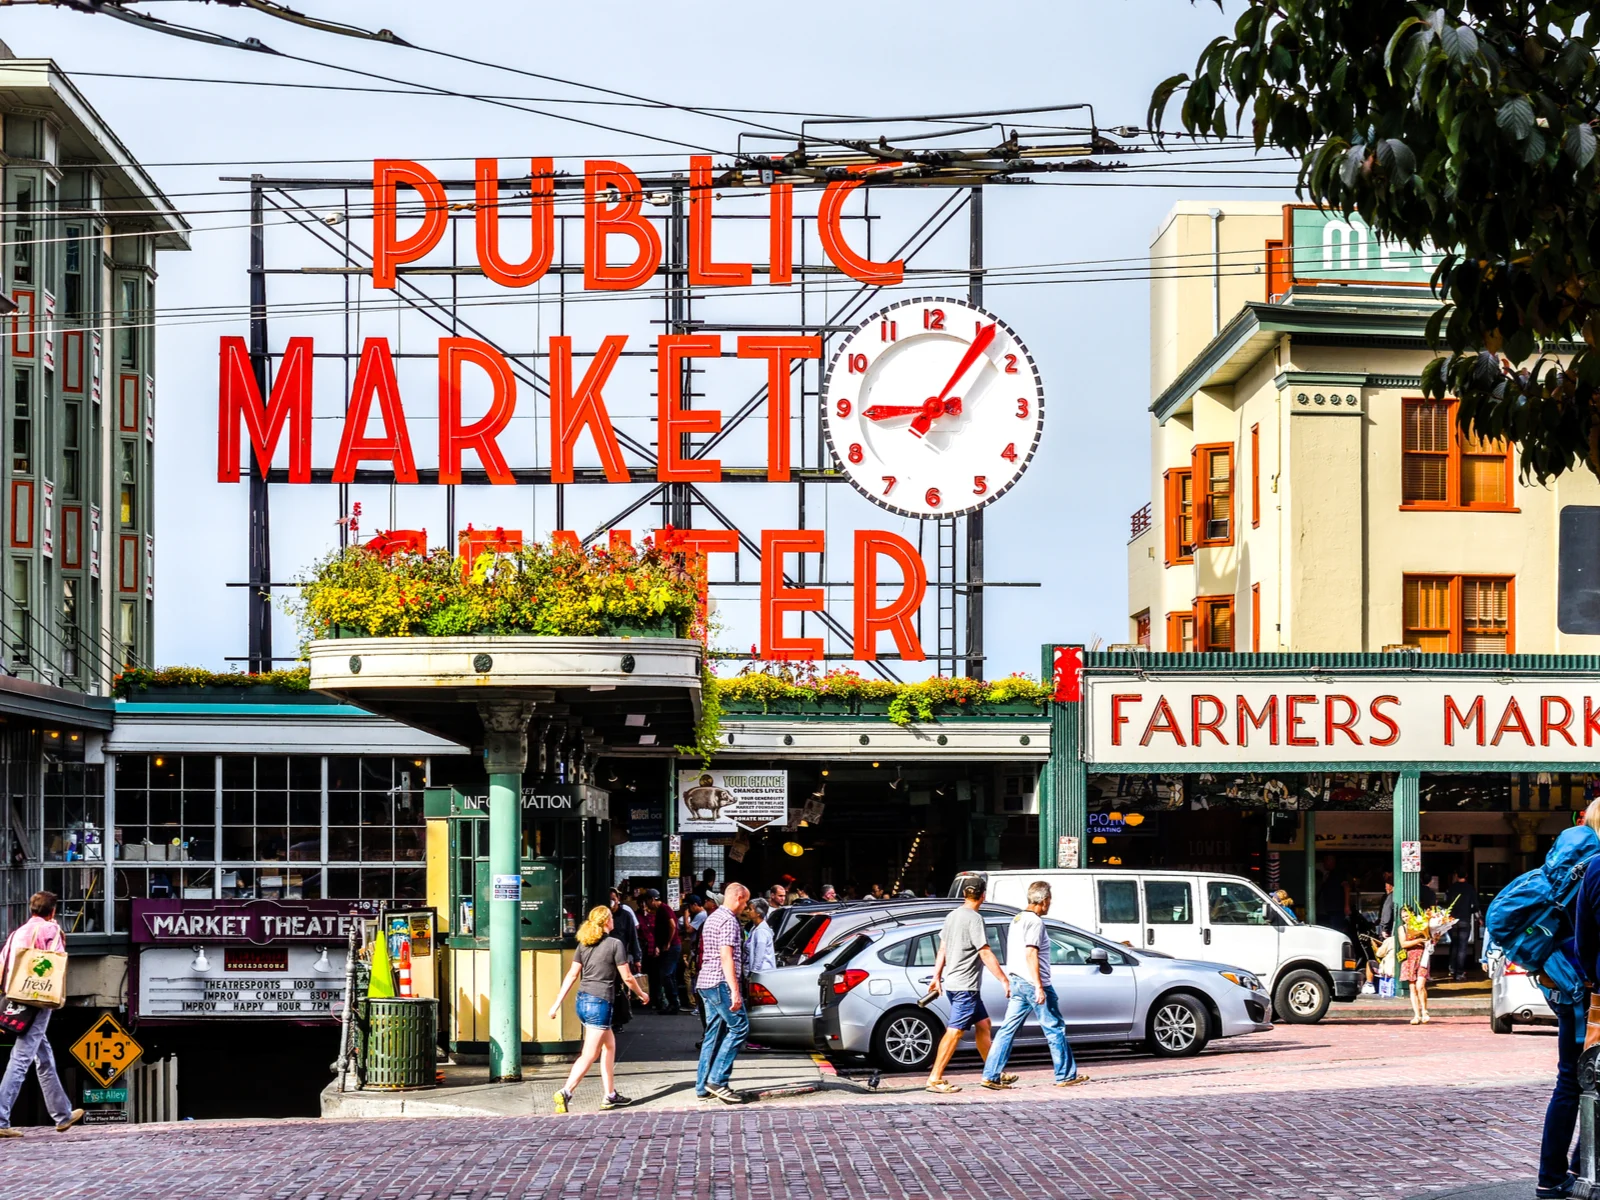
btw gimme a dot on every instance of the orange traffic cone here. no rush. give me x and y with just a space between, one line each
404 978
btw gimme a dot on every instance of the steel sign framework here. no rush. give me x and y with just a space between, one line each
446 295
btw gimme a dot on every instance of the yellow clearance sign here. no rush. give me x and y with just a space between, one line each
107 1050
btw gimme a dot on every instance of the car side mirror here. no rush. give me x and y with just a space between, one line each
1100 957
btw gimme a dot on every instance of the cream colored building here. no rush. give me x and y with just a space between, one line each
1304 495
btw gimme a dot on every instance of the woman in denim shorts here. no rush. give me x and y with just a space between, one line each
597 967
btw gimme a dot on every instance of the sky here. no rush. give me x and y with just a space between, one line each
1063 527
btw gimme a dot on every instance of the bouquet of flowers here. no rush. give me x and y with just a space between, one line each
1431 923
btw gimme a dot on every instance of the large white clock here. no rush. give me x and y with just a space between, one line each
933 407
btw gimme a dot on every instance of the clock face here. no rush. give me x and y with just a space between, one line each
933 407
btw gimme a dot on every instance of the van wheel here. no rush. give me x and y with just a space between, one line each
906 1040
1500 1024
1301 997
1179 1027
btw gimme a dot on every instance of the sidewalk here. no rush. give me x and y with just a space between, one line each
1444 1000
656 1063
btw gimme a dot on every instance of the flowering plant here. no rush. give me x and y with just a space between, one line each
908 702
551 590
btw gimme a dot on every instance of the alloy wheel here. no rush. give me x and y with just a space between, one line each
1175 1027
908 1040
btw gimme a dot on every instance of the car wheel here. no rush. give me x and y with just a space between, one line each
906 1039
1500 1024
1179 1027
1301 998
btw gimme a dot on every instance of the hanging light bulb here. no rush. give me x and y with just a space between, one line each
201 964
322 964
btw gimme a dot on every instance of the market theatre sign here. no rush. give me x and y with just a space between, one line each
1373 719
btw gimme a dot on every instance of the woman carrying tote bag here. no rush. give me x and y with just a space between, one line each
39 932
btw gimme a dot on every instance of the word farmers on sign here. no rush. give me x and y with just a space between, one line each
1370 719
726 801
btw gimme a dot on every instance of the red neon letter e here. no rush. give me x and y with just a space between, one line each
778 599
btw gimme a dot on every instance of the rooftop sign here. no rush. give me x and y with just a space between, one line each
1329 247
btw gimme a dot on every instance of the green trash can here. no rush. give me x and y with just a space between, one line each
400 1039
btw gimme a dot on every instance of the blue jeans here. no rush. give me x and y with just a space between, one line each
1561 1117
1055 1032
726 1030
33 1050
593 1012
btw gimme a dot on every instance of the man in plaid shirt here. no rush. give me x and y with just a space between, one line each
718 983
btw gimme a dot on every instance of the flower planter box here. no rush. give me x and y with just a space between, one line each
658 627
257 693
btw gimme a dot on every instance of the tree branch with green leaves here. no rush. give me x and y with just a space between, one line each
1469 129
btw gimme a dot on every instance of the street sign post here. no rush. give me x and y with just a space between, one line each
107 1050
116 1095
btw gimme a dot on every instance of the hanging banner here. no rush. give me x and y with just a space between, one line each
727 801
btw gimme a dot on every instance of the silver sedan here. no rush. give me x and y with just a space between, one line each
1109 994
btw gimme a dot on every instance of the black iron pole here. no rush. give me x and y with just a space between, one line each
975 519
260 590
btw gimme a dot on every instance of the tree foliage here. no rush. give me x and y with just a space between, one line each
1471 128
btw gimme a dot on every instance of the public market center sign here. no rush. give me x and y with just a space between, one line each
909 451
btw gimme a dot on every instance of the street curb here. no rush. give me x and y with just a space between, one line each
1513 1189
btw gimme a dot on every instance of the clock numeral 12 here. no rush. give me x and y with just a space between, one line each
887 331
888 484
933 318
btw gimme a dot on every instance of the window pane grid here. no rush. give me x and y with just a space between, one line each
1219 495
1450 612
1443 465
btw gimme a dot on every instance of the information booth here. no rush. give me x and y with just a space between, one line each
562 835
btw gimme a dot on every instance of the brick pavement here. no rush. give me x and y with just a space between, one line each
1273 1116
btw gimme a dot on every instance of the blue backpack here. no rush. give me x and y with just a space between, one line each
1530 920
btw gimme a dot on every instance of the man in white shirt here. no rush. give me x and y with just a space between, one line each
1028 964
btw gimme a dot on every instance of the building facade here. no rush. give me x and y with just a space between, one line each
83 227
1304 495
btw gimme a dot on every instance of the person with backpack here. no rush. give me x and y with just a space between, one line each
1547 921
39 932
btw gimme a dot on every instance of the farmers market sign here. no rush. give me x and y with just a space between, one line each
1485 722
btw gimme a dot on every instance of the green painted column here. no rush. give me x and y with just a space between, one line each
1308 896
1064 784
1407 884
505 757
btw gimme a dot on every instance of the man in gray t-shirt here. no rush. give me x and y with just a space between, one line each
963 954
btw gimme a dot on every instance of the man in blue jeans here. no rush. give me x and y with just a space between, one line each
718 984
1028 963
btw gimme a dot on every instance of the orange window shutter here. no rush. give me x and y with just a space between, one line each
1255 618
1278 271
1255 476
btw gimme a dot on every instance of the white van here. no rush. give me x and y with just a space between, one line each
1203 916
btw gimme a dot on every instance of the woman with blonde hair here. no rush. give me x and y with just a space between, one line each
597 967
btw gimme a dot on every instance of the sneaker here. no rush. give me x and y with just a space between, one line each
726 1094
997 1085
1560 1190
7 1132
704 1096
615 1100
77 1115
561 1099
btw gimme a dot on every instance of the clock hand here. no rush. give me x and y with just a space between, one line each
936 405
882 412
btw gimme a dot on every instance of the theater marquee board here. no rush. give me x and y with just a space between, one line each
241 958
1375 719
